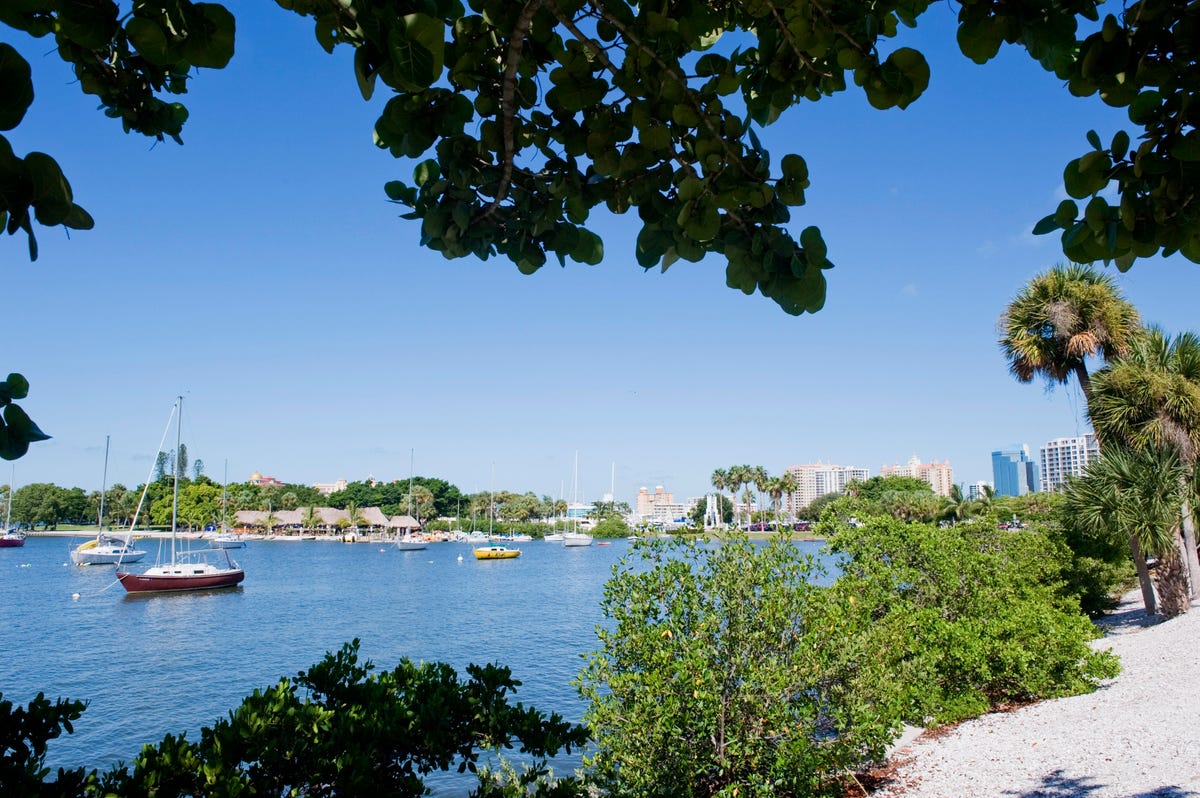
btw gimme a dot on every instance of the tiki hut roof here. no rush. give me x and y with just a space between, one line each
373 516
403 522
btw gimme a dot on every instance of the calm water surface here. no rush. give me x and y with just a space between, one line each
175 663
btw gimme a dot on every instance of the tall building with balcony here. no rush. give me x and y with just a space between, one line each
818 479
940 476
1067 457
659 506
1013 472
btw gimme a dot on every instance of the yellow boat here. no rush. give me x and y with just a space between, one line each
496 553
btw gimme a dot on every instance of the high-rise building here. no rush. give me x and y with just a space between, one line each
975 490
1013 472
1067 457
659 506
940 476
818 479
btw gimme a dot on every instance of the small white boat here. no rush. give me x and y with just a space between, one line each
573 539
228 542
409 543
106 549
553 537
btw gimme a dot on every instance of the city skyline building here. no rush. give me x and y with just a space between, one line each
1062 458
1014 473
939 476
815 480
326 488
659 506
975 490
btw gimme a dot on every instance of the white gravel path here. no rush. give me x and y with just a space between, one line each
1135 737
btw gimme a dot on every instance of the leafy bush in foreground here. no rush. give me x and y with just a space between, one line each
337 729
969 617
721 674
725 670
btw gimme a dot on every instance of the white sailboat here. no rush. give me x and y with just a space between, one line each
186 570
408 541
107 548
227 539
575 538
11 538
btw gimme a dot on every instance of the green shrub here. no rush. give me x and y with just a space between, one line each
969 616
723 673
335 730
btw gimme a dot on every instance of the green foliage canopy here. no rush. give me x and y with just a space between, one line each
336 729
17 429
522 118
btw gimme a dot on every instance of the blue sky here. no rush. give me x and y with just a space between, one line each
259 271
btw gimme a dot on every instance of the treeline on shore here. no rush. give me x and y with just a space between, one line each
204 502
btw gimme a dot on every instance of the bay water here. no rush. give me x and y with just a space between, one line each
149 665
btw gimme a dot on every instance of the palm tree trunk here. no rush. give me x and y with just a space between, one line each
1139 562
1190 556
1085 384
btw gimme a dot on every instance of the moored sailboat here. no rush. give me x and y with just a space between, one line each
191 570
106 548
12 538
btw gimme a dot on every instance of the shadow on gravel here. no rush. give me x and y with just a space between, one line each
1127 619
1060 785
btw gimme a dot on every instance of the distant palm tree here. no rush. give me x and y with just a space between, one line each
734 479
311 519
786 485
269 522
1150 399
955 507
761 479
987 494
354 515
1062 317
1138 494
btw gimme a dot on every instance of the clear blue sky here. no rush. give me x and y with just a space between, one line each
259 271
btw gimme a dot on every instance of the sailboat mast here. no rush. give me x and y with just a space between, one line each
224 486
175 468
12 488
103 487
411 507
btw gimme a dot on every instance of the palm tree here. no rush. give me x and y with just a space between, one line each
1137 494
354 515
762 481
1061 318
984 500
1150 399
736 476
720 481
311 519
955 506
786 485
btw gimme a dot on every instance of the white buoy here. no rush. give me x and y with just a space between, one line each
74 597
460 558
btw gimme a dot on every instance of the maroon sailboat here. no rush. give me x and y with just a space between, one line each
192 570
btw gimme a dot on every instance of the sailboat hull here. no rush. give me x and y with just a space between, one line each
166 579
106 550
11 540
